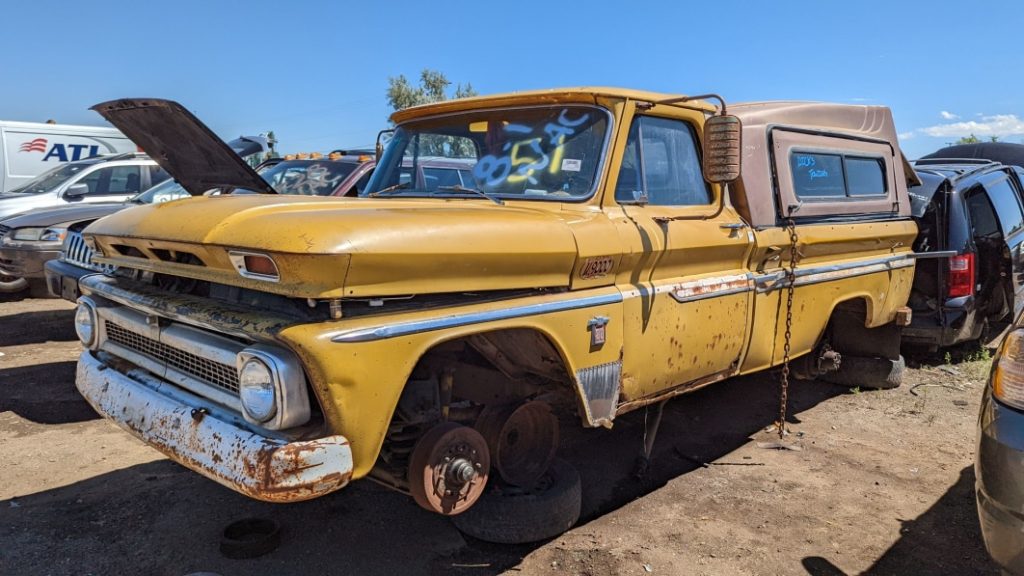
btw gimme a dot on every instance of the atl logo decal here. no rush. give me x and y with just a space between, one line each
62 152
37 145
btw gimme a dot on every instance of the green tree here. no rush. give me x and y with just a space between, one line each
433 87
972 139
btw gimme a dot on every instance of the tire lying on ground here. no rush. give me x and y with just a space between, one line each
863 372
511 515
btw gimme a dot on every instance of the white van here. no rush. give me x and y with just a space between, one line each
27 149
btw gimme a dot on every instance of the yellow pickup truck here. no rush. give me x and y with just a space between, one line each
600 250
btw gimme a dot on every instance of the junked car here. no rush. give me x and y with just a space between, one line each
29 240
606 250
999 458
59 257
113 178
971 212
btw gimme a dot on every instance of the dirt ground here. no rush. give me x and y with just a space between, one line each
878 483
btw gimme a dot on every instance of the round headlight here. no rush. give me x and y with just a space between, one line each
256 389
85 324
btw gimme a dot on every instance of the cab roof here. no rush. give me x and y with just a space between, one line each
546 96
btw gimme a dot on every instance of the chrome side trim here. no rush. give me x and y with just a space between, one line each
456 320
713 287
805 276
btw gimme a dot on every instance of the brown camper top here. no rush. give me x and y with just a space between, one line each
771 130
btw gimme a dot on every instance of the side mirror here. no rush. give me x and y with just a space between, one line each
383 137
76 191
722 148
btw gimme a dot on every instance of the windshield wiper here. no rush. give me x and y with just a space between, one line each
393 188
459 188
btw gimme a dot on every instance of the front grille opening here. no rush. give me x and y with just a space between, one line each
162 254
125 250
216 374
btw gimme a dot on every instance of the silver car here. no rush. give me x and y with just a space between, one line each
99 179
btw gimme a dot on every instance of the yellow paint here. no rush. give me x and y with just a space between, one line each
359 248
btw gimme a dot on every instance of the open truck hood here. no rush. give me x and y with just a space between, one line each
182 145
352 248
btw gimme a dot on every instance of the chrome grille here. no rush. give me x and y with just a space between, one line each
4 230
217 374
76 252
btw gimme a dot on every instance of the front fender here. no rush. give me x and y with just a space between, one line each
359 382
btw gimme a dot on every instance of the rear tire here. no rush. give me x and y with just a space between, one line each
11 284
510 515
862 372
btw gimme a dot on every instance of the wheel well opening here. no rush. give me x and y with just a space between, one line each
459 379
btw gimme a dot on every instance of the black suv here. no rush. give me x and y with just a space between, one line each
973 210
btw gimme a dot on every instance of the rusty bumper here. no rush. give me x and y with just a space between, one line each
213 443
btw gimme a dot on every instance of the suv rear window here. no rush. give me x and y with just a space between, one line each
823 175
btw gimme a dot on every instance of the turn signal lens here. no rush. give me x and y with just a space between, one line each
1008 377
255 266
260 265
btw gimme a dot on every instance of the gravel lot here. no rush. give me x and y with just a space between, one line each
880 483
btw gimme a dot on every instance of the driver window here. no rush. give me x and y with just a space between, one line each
662 162
112 180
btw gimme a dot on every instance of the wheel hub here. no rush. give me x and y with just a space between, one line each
448 469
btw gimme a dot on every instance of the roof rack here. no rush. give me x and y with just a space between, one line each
355 152
954 161
117 156
975 165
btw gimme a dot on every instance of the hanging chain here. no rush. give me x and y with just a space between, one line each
794 257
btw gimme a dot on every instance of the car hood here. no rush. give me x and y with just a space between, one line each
62 214
338 247
182 145
11 204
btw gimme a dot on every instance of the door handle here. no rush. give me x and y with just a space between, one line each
733 226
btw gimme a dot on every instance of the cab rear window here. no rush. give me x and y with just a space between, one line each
836 176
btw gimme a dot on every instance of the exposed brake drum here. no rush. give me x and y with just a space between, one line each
522 440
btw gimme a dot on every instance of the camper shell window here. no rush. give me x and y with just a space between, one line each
829 174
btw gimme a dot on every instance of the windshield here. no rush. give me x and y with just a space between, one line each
307 177
526 153
163 192
51 179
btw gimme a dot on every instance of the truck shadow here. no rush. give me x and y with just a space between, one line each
44 394
36 327
946 539
159 518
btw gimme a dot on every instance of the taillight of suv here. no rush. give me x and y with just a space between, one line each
961 276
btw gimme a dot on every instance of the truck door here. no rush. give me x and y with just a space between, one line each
686 289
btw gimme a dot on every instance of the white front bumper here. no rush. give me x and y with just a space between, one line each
174 422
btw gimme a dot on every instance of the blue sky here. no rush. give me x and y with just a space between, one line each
316 73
